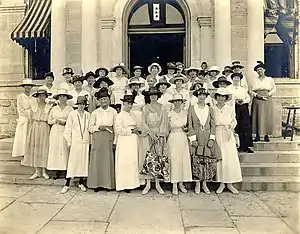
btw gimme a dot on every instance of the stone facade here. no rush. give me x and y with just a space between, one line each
109 48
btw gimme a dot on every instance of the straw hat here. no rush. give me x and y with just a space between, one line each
200 91
67 70
188 70
27 82
122 66
154 64
237 64
162 80
177 97
62 92
137 67
134 80
214 68
41 90
222 92
179 77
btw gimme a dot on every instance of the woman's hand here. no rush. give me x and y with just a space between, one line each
210 143
153 136
102 128
185 129
194 143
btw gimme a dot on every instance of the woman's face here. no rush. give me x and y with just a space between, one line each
137 72
197 86
154 70
103 84
178 83
202 97
62 98
78 84
151 81
171 71
213 73
163 88
177 103
102 73
204 66
90 80
119 71
127 106
81 106
153 98
222 85
42 97
49 80
236 80
104 101
27 88
193 74
68 77
220 98
260 71
180 68
135 87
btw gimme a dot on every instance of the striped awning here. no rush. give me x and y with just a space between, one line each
34 24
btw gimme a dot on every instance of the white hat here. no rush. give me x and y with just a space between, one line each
222 91
41 90
214 68
134 80
62 92
179 77
27 82
192 68
154 64
177 96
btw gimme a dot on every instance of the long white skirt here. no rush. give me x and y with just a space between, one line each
179 154
229 168
78 164
19 145
58 153
127 173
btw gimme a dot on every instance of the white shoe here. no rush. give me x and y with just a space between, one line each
146 190
82 187
182 188
221 188
197 188
205 189
45 175
175 191
159 190
64 189
232 189
34 176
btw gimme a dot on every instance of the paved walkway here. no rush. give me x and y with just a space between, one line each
42 209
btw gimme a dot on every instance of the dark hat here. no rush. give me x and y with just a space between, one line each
116 106
204 63
200 91
101 69
81 100
152 91
137 67
49 74
237 64
259 64
67 70
162 80
197 81
171 66
90 73
202 72
227 68
188 70
221 79
237 75
120 65
128 98
179 63
103 92
105 79
77 78
41 90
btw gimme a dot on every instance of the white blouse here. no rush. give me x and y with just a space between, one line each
265 83
24 103
164 100
202 113
75 95
239 92
57 113
102 117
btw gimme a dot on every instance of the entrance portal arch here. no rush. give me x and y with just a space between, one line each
156 31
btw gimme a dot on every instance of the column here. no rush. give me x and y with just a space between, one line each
58 38
297 58
255 21
206 47
111 49
89 35
222 33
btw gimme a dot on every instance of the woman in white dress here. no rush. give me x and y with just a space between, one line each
192 73
58 153
228 169
120 83
178 146
78 91
179 81
164 87
67 83
37 145
77 137
127 174
24 101
50 87
213 72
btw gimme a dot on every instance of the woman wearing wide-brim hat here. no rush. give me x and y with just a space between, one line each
24 101
198 84
137 73
212 72
241 101
192 74
58 152
120 83
153 142
101 72
237 68
201 134
37 150
171 71
178 146
126 127
78 90
229 168
164 87
67 73
221 82
262 90
179 81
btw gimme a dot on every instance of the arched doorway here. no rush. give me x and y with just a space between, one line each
156 31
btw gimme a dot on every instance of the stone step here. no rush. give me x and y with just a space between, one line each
270 157
15 168
5 155
270 169
6 144
277 145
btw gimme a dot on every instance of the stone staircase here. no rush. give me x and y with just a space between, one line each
274 166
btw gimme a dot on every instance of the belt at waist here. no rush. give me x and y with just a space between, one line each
40 121
262 92
177 130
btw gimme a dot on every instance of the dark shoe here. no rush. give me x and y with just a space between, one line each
257 138
248 150
57 175
127 190
266 139
240 150
96 190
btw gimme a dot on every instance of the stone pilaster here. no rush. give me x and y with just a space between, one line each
107 41
206 40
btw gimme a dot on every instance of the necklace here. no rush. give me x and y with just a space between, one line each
84 125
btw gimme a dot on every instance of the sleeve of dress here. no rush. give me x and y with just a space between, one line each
68 130
21 109
273 87
233 119
188 101
92 125
51 119
120 129
144 126
212 135
163 129
114 120
191 134
247 99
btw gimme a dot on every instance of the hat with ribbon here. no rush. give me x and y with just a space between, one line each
188 70
214 69
177 97
152 91
88 74
122 66
81 100
171 66
28 82
236 64
97 72
227 69
154 65
49 74
137 67
103 92
260 64
77 78
162 80
179 77
103 79
134 80
128 98
179 64
200 91
40 91
219 80
62 92
67 70
237 74
222 92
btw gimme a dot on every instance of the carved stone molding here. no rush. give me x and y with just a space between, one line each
13 9
204 21
108 23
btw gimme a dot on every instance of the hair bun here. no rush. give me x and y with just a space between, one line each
260 62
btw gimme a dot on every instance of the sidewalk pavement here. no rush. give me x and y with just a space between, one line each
42 209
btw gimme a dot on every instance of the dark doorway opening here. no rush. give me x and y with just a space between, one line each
161 48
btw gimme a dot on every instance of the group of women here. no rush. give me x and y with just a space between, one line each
121 133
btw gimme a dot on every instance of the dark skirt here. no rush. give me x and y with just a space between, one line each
102 162
243 127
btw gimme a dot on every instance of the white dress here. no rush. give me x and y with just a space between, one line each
77 136
186 96
228 169
66 86
138 107
178 148
76 94
58 153
23 106
164 100
127 173
118 89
